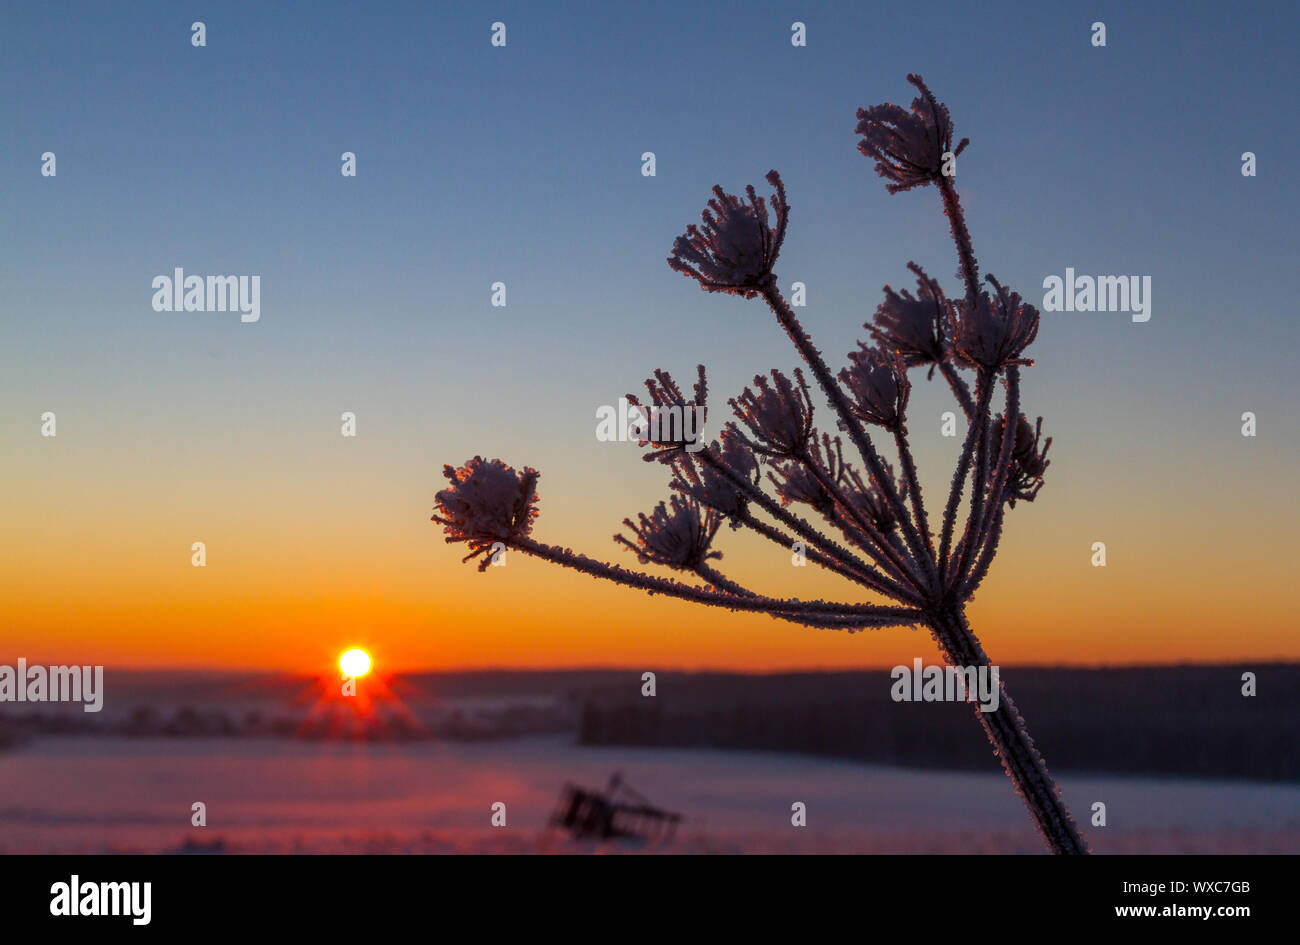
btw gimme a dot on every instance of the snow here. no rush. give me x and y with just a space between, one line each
116 794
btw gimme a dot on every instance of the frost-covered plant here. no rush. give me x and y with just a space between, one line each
886 543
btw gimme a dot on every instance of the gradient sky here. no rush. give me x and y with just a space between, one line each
478 164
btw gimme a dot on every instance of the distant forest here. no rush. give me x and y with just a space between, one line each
1185 721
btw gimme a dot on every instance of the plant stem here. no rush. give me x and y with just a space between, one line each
829 622
867 615
866 574
784 540
851 425
913 488
890 557
992 512
972 581
959 388
979 481
984 389
960 236
1006 730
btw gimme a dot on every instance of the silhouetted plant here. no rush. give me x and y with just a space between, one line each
891 549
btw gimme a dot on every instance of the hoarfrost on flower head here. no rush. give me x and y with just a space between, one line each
487 501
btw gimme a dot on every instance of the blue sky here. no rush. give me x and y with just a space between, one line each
522 164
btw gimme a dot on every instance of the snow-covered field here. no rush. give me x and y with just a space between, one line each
265 795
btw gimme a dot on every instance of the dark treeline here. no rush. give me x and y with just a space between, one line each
338 722
1190 721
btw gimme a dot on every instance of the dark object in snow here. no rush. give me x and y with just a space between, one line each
590 814
201 847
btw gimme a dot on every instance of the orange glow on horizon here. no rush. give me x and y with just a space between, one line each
285 589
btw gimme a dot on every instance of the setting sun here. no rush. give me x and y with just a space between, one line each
355 663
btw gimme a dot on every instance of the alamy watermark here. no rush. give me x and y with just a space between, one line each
919 683
76 898
25 683
666 424
181 293
1100 294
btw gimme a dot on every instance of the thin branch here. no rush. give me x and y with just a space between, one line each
656 585
983 518
960 236
897 563
913 487
827 622
975 520
986 541
776 535
981 569
867 575
983 389
959 388
850 423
